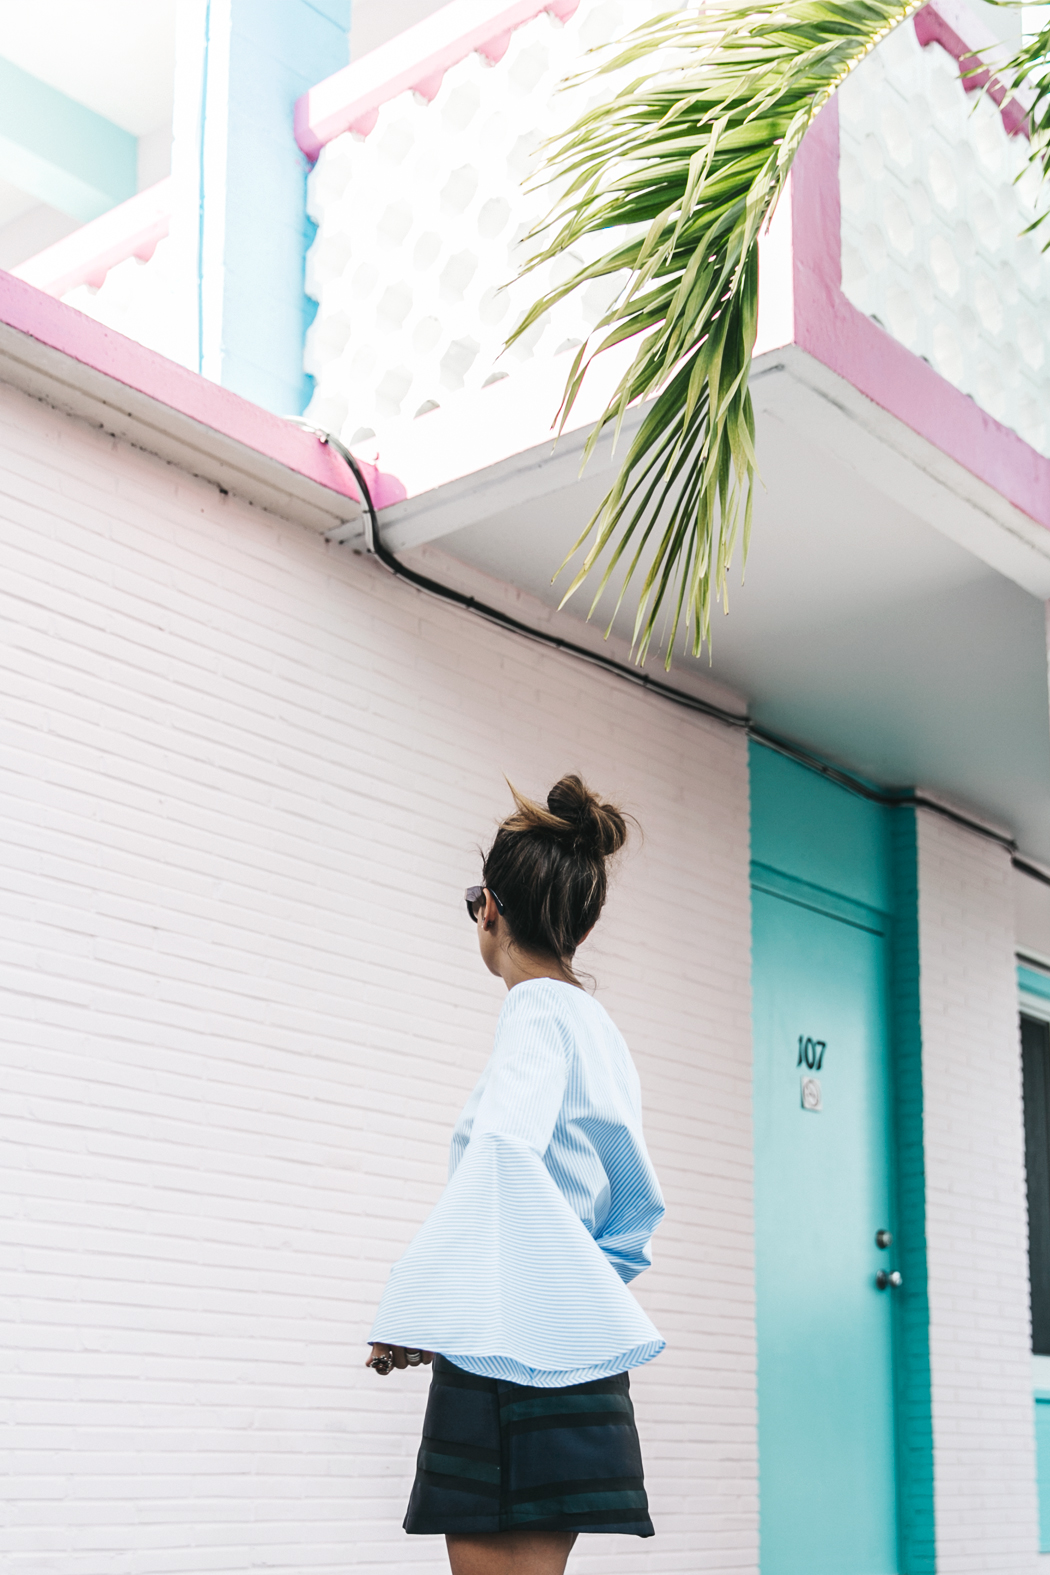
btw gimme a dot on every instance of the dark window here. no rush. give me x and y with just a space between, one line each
1035 1060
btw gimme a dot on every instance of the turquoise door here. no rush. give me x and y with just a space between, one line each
822 1191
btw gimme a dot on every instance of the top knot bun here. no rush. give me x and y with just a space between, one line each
574 815
598 829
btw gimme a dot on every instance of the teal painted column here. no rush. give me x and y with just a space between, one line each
1042 1458
241 184
915 1501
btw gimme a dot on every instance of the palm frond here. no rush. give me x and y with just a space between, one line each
679 170
1029 69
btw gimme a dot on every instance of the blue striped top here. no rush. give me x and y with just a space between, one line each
520 1272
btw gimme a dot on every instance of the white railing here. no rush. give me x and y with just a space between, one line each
117 269
932 218
422 217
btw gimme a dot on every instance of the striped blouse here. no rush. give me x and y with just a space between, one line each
520 1272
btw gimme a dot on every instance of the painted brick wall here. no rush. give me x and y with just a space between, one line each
246 776
975 1200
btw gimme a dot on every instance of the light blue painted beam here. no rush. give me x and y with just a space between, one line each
240 67
59 152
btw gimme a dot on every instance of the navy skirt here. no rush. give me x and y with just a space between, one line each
498 1456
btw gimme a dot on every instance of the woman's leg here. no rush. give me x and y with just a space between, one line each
511 1553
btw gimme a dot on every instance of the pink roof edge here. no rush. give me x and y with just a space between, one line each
826 325
134 228
347 101
350 99
59 327
131 229
934 24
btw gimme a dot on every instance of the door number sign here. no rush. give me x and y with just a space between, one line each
811 1056
811 1053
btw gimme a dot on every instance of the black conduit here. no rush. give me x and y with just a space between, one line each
893 798
374 545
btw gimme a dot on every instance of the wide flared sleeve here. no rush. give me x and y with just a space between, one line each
626 1235
504 1278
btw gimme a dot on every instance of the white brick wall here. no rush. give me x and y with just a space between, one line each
975 1206
1031 915
246 775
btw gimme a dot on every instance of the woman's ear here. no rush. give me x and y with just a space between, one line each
490 913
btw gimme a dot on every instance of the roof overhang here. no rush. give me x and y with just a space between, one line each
58 355
893 617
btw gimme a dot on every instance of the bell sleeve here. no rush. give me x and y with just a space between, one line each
625 1239
504 1271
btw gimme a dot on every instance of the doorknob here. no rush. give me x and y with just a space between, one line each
886 1281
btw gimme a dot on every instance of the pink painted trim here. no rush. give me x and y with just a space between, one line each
57 326
338 104
931 27
132 229
831 329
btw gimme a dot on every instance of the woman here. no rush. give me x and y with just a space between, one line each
517 1279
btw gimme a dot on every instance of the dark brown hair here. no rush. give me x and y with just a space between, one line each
548 866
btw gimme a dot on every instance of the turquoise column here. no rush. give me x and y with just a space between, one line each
241 179
915 1502
1042 1459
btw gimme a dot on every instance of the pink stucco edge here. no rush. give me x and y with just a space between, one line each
831 329
933 26
827 325
131 229
101 350
92 270
337 104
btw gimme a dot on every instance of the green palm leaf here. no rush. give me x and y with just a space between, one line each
679 170
1030 68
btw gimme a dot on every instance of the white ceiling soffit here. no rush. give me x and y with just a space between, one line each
794 388
892 617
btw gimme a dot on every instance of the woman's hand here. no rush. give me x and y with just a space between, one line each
384 1357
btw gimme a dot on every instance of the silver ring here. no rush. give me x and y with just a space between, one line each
413 1358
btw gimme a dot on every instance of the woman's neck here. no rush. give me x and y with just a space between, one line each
519 967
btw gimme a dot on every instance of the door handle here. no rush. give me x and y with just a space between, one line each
887 1281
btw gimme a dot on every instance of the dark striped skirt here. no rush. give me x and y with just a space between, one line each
498 1456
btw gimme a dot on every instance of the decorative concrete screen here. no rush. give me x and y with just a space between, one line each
932 215
119 269
422 222
136 298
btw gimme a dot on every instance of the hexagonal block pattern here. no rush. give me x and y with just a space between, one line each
136 299
422 227
934 203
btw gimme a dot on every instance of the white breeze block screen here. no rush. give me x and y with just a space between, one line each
137 299
931 230
421 223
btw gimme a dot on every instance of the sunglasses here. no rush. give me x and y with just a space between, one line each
475 899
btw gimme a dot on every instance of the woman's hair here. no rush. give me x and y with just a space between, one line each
547 866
